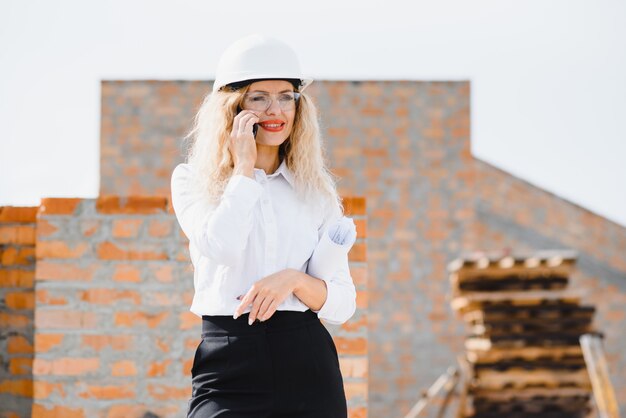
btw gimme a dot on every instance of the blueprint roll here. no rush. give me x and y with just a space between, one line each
332 249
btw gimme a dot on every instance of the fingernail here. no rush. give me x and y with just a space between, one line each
250 321
235 316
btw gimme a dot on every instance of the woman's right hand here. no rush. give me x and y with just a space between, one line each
242 145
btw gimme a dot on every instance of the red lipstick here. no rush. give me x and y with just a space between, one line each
274 125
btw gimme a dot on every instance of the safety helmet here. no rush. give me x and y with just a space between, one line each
256 57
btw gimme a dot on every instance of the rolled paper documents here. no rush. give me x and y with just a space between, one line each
332 249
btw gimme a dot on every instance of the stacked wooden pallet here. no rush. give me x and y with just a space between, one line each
523 354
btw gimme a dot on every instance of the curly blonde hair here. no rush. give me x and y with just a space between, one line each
303 150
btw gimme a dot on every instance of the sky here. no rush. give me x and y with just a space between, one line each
548 78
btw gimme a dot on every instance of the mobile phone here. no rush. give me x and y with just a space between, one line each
255 127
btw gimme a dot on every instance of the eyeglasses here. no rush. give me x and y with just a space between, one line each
261 101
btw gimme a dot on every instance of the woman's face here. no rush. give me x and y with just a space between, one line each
268 135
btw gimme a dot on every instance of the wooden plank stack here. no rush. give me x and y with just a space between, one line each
523 353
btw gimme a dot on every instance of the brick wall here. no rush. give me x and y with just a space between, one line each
17 272
351 337
140 126
403 145
406 147
112 334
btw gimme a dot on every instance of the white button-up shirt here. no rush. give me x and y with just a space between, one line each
259 227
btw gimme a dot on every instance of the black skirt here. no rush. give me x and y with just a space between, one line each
286 366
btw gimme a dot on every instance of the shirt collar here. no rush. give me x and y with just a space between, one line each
286 172
282 169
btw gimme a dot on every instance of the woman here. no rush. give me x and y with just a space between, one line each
254 201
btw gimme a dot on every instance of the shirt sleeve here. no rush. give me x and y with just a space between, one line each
340 303
220 232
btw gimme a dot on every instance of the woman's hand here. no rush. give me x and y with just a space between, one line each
266 294
242 145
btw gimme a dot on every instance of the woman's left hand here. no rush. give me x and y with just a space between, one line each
266 294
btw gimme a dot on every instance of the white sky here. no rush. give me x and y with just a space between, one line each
548 78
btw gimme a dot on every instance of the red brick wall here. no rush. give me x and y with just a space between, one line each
140 126
351 337
112 334
558 219
17 272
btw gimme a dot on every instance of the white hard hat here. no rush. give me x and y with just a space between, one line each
258 57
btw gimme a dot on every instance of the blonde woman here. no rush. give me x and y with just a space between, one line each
254 199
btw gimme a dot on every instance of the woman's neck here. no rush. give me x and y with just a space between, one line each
267 158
